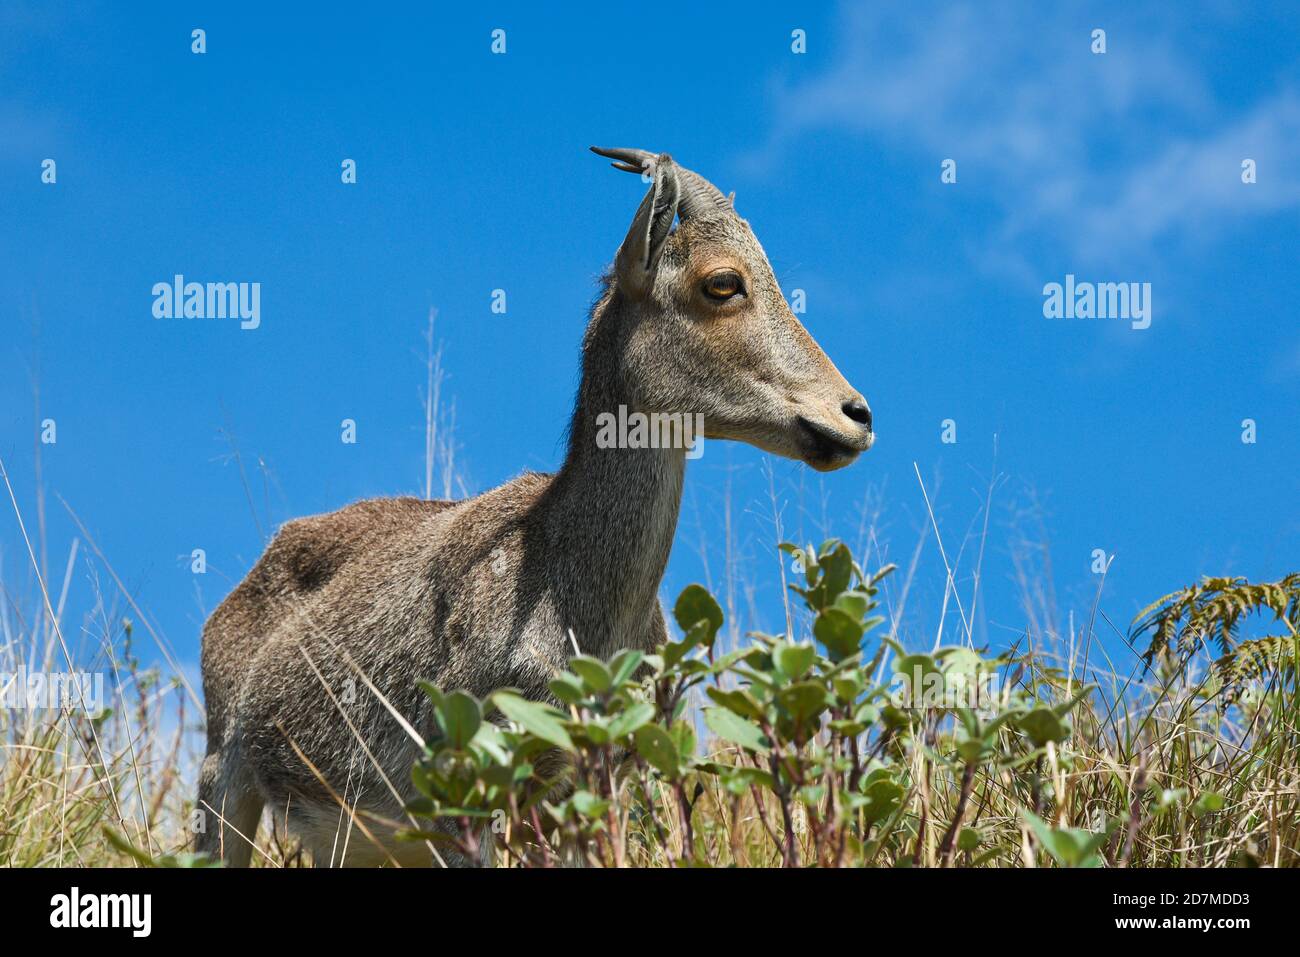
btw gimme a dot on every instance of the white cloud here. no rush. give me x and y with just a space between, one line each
1096 155
1194 185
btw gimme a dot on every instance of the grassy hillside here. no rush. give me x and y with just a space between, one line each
828 745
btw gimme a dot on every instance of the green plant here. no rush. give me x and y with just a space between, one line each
1212 611
833 764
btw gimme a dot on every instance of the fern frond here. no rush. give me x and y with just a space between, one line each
1212 611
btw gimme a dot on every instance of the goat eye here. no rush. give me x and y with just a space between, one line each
723 286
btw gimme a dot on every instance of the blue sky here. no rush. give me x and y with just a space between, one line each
473 175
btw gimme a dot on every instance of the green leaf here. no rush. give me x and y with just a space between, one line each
1069 846
432 690
630 719
803 700
623 664
970 749
915 667
1207 802
126 847
567 688
839 631
854 604
592 671
812 794
675 651
594 730
960 660
883 794
1043 725
700 633
730 726
694 605
460 715
731 658
740 701
867 713
740 780
683 735
490 740
837 571
185 859
793 660
847 686
537 719
588 805
659 750
828 572
848 729
694 666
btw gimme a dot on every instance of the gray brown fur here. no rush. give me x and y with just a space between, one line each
483 593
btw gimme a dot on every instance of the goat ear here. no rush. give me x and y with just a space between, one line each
638 257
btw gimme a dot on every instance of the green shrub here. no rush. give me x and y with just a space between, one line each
814 754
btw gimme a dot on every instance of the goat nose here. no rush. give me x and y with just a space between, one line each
857 410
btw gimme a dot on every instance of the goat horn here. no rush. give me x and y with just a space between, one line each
700 199
633 161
